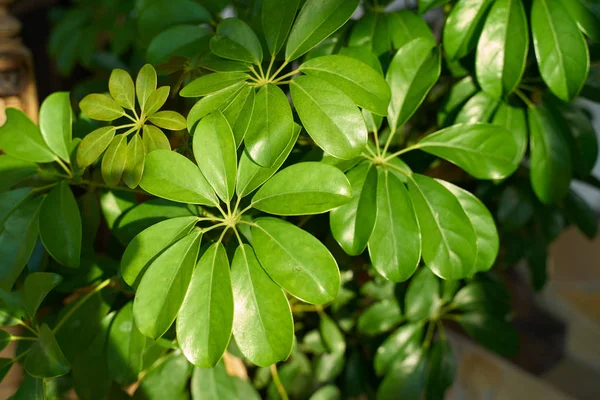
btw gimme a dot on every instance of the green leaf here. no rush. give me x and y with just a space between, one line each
121 88
483 150
328 367
422 297
154 139
395 245
414 70
264 331
9 201
365 86
493 333
362 53
148 244
235 40
239 113
406 379
125 347
206 316
167 380
14 171
37 286
550 160
113 162
17 240
212 83
352 223
380 317
5 339
458 95
329 116
158 15
101 107
448 237
156 100
479 108
277 21
296 260
93 145
134 162
21 138
216 101
303 188
441 370
271 126
316 21
145 84
581 214
55 123
560 48
462 27
5 365
426 5
215 63
502 49
172 176
514 119
487 297
216 383
587 15
371 33
30 389
332 336
404 26
115 204
170 120
45 359
404 341
251 175
164 284
215 153
178 41
329 392
488 242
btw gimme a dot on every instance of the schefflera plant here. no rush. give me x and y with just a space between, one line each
210 296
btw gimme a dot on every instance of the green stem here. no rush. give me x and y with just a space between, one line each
270 66
262 73
129 117
22 338
29 328
389 139
42 188
289 74
524 98
64 167
282 82
85 298
398 153
395 168
429 334
277 383
376 137
280 69
221 209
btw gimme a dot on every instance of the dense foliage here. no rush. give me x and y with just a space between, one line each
313 198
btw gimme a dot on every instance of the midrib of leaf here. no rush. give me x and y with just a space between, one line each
365 88
210 291
389 207
450 145
318 192
555 40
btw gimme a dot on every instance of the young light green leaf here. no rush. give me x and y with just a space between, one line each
101 107
37 285
215 153
395 244
21 138
121 88
560 48
277 21
172 176
329 116
404 341
303 188
479 108
587 15
125 347
145 84
316 21
296 260
235 40
458 95
502 49
164 284
205 320
45 359
404 26
156 100
134 163
93 145
380 317
149 243
212 83
448 237
154 139
514 119
483 150
270 127
239 113
55 123
422 296
263 326
113 162
462 27
170 120
414 70
352 223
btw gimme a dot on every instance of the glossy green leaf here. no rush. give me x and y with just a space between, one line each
581 214
502 49
426 5
17 240
395 244
422 297
212 62
156 100
205 320
122 89
329 116
239 113
235 40
587 15
154 139
412 73
45 359
145 84
14 171
483 150
37 286
216 101
448 237
380 317
113 162
170 120
458 95
55 123
462 27
550 160
492 332
212 83
30 389
365 86
488 242
178 41
164 284
216 383
560 48
371 33
316 21
277 21
404 26
93 145
404 341
296 260
479 108
262 321
514 119
21 138
332 336
271 126
441 369
134 162
9 201
303 188
172 176
352 223
215 153
101 107
362 53
406 379
167 379
125 347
